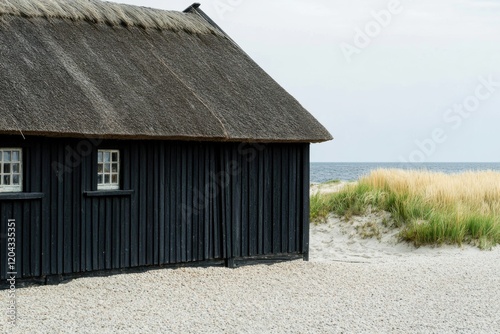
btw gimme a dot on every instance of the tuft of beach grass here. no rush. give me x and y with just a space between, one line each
431 208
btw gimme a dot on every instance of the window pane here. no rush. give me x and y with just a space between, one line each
10 169
107 168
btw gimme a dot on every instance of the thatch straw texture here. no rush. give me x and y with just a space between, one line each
109 13
71 77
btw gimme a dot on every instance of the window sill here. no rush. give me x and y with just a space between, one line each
20 196
107 193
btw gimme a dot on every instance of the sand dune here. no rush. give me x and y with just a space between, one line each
369 238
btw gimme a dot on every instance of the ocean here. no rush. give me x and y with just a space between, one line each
326 171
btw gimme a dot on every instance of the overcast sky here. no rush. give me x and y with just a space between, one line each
391 80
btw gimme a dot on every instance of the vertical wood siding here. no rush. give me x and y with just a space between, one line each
188 202
264 201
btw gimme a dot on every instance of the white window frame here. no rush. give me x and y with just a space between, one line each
102 174
11 187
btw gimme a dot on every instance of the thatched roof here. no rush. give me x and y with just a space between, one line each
90 68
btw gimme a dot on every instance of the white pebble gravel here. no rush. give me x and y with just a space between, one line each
450 293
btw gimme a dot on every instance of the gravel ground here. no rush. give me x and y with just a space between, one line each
456 293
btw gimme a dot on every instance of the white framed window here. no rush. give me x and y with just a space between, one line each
11 170
108 169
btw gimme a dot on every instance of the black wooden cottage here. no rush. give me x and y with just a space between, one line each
134 137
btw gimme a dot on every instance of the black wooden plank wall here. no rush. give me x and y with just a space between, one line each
264 210
189 202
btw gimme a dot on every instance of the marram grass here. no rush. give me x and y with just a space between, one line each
431 208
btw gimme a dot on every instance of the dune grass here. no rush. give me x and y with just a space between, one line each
431 208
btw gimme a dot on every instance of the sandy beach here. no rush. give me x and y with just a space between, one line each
352 284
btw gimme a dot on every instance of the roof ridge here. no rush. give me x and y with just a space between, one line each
112 14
